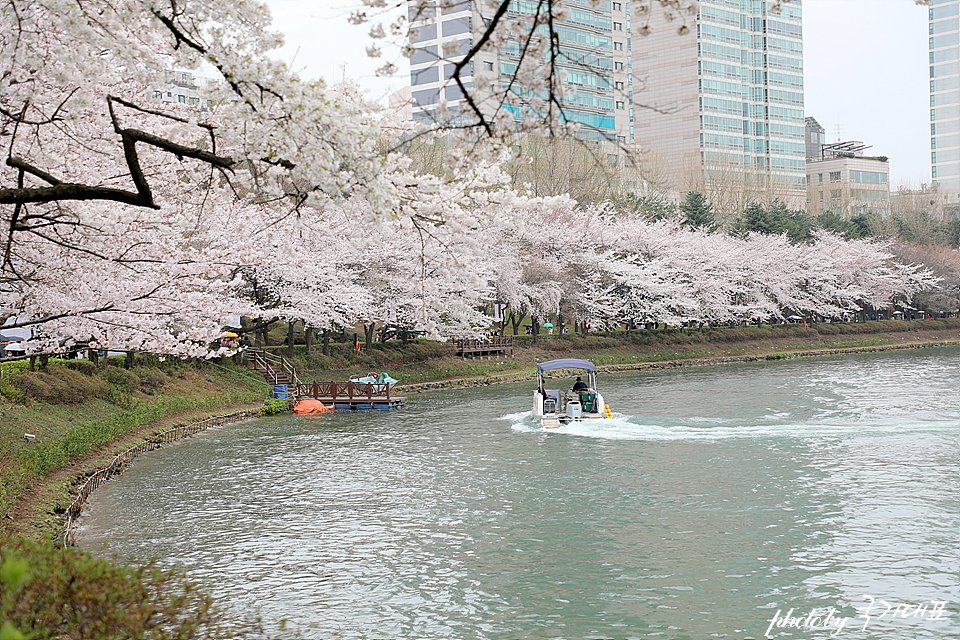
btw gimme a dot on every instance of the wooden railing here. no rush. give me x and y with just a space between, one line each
272 365
349 390
498 344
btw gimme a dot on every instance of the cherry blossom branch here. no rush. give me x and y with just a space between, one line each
481 41
57 316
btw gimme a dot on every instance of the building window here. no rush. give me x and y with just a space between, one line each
182 98
617 6
621 138
618 66
618 26
821 196
618 85
618 46
834 176
158 94
821 178
611 160
620 104
835 194
487 65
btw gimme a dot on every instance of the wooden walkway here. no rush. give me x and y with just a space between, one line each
350 395
492 346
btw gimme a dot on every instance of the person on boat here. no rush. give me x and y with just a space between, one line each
579 385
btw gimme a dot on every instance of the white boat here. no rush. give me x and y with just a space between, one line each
553 407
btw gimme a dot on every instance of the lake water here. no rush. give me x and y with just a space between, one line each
719 502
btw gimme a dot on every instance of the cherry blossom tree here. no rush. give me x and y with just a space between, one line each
127 222
131 224
626 269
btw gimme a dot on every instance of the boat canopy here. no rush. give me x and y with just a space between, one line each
566 363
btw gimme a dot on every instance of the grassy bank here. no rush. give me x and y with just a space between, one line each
81 416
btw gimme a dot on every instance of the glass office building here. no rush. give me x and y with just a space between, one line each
944 18
728 100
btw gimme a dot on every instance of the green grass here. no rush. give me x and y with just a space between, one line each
68 432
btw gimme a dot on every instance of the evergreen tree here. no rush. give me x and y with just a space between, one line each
952 233
756 219
859 227
656 207
698 213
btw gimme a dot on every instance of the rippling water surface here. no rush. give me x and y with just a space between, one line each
714 502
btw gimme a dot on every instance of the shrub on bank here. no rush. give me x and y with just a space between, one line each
151 378
85 367
59 384
273 406
52 592
123 378
71 383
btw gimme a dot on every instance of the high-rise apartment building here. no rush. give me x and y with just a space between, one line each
944 17
724 104
595 50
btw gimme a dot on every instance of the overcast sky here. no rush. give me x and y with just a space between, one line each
865 69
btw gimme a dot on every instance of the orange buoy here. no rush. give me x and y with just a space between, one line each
311 406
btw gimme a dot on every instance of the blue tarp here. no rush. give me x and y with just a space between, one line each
566 363
383 378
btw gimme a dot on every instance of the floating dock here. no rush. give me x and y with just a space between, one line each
351 395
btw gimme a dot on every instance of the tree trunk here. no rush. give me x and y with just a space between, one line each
515 321
94 356
128 361
368 331
291 338
326 342
308 337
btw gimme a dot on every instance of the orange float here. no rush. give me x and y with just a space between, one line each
311 406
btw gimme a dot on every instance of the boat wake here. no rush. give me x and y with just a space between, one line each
623 427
